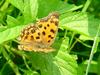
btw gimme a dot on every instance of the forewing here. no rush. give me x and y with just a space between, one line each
48 27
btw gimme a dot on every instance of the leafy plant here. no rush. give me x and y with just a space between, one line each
77 43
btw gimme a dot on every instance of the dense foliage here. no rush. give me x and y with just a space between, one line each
77 43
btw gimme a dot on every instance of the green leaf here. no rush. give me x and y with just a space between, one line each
80 23
44 63
47 6
61 44
27 72
10 33
70 7
83 37
2 28
66 63
64 44
61 64
30 10
11 21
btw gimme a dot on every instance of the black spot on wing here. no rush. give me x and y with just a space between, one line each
49 35
48 41
52 37
37 37
38 33
32 31
40 26
45 28
52 31
43 33
32 37
48 25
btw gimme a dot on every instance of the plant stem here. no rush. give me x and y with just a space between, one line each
72 38
94 48
11 63
88 2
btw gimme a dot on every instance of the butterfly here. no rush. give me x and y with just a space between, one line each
40 36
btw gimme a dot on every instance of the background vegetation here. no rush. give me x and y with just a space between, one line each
77 43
